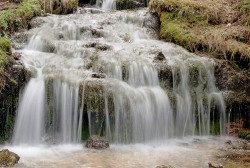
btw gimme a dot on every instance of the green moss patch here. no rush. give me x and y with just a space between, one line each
244 134
5 51
13 19
220 27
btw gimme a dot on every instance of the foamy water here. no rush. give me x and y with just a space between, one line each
193 152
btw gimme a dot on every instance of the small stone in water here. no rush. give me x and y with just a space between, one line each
96 142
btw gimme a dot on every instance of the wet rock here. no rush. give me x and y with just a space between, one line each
49 46
8 158
37 22
152 22
97 142
16 56
20 37
210 165
97 33
18 46
98 75
60 6
60 35
232 80
129 4
98 46
229 142
160 57
164 166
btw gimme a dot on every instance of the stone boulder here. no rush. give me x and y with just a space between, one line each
97 142
8 158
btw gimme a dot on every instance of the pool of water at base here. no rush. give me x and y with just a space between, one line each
187 152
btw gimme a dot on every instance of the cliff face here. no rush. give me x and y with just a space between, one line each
219 29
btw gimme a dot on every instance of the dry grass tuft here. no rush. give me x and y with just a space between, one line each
220 27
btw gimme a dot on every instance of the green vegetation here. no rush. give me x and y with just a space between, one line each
244 134
85 131
220 27
5 45
13 19
5 50
244 8
215 128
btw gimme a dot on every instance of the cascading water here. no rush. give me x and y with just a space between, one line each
106 67
106 4
29 124
109 4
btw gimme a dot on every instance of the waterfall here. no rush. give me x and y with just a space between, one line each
30 115
66 120
108 74
109 4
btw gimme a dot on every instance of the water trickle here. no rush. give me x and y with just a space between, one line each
105 67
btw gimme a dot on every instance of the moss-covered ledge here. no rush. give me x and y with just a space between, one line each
59 6
219 27
14 19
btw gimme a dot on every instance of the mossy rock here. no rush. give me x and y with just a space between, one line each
8 158
97 142
60 6
5 45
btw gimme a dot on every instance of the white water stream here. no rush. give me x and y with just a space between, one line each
127 98
103 65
